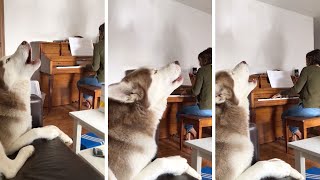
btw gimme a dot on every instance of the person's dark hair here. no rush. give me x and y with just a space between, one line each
205 57
101 32
313 57
101 28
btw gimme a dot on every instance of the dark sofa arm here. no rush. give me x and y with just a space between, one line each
255 141
36 111
53 160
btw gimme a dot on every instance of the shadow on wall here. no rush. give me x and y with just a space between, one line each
272 50
171 44
78 9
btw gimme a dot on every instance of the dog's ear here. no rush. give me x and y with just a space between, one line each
125 92
224 94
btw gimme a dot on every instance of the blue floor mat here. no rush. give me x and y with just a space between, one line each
206 173
90 140
313 173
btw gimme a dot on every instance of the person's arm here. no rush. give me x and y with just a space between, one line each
96 58
298 86
196 88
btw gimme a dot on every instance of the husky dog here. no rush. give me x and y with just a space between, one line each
15 111
234 150
136 105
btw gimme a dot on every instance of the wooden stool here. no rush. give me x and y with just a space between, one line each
198 122
93 91
302 122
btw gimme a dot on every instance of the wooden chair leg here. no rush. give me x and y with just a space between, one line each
181 132
98 102
80 100
303 132
196 127
199 131
94 101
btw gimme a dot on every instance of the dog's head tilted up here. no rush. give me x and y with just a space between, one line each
149 88
232 86
17 67
232 90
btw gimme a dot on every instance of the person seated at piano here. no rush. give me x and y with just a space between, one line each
97 66
308 87
202 88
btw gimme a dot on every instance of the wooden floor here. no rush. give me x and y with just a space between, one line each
59 116
277 150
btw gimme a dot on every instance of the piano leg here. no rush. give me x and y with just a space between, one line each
286 134
181 132
51 77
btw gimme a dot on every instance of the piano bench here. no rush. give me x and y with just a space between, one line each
93 91
198 122
302 122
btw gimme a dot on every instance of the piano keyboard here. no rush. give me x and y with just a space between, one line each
274 99
67 67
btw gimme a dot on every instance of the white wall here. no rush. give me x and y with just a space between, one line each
153 33
317 32
267 37
48 20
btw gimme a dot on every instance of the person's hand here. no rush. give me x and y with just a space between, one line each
184 92
192 78
276 96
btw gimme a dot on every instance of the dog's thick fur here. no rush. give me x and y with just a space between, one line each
15 112
234 150
136 105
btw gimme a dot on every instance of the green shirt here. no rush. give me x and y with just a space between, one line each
98 60
203 87
308 87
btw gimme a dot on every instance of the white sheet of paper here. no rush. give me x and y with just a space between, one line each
35 88
81 46
280 79
186 78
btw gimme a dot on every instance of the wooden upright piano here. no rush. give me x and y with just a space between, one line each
266 112
59 72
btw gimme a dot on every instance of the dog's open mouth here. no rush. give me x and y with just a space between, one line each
29 61
178 79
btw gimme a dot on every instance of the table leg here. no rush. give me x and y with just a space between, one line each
76 136
300 162
196 160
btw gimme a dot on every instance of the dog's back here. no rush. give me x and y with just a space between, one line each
130 137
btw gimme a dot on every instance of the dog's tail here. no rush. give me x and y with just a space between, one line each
272 168
8 167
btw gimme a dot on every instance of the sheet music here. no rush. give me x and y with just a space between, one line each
81 46
273 99
180 96
35 88
280 79
186 78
